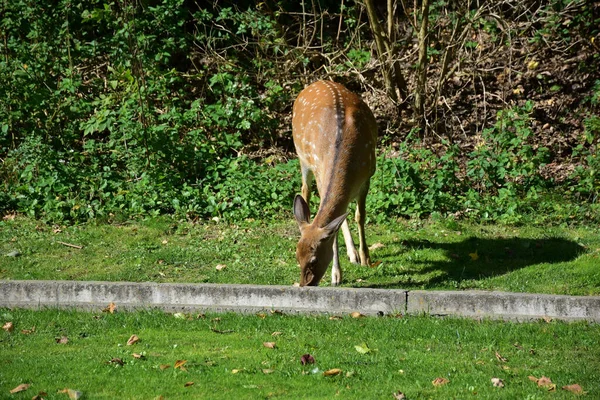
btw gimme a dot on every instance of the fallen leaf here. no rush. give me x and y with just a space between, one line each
335 318
220 267
261 315
500 358
133 340
164 366
117 361
269 345
222 332
399 396
332 372
62 340
375 264
28 331
497 382
474 256
39 396
547 319
74 394
187 384
21 388
179 315
276 333
439 381
307 359
574 388
356 314
268 371
362 348
179 364
237 371
165 241
533 378
8 327
376 246
545 382
138 356
110 308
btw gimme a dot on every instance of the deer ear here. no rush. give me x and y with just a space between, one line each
301 211
332 227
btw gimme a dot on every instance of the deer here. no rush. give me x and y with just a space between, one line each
335 135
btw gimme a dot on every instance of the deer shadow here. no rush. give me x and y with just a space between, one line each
475 258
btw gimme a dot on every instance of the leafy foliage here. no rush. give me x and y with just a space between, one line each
113 110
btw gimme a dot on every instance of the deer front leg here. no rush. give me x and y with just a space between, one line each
350 249
336 271
307 176
360 219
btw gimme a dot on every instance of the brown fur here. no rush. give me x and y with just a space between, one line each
335 135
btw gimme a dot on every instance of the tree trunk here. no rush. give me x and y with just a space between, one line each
422 68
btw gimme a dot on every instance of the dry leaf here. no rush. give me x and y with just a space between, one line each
546 383
62 340
237 371
164 366
474 256
133 340
276 333
269 345
500 358
261 315
332 372
439 381
307 359
335 318
356 314
8 327
21 388
165 241
138 356
117 361
39 396
533 378
110 308
187 384
497 382
375 264
575 388
399 396
220 267
28 331
268 371
179 364
74 394
376 246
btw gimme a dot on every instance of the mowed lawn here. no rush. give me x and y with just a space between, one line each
230 356
406 254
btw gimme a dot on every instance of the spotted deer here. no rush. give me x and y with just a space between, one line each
335 135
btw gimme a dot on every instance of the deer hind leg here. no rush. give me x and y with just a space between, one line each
336 271
350 249
360 219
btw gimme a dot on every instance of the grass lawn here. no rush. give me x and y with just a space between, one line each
407 254
226 356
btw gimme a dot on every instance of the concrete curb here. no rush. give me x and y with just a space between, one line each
251 298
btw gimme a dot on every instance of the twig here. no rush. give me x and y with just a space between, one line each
70 245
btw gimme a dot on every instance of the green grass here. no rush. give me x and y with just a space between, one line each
404 354
415 254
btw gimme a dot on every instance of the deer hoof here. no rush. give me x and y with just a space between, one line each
353 256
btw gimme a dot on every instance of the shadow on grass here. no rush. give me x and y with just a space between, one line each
477 258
